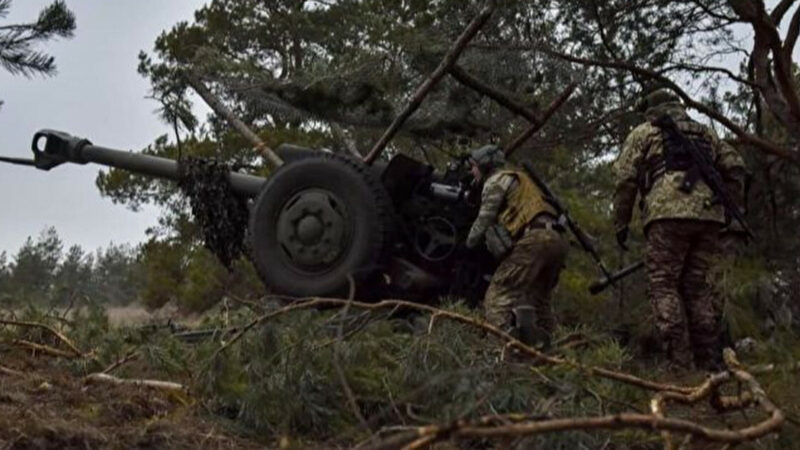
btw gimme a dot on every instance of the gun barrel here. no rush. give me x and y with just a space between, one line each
154 166
60 148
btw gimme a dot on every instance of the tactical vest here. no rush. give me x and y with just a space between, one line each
675 158
525 202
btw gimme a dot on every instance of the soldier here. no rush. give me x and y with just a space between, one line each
682 224
521 229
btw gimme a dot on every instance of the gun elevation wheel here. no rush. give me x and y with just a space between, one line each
318 220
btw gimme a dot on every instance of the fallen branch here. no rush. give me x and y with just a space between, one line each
311 303
11 372
484 428
155 384
51 330
488 427
46 349
129 357
337 351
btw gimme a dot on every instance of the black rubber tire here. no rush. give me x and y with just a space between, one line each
368 231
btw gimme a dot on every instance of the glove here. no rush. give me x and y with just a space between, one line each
622 236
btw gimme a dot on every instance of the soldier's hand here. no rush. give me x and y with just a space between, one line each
622 236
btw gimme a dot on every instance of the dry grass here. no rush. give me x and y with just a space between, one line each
131 315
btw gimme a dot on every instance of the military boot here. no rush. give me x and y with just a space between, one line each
527 331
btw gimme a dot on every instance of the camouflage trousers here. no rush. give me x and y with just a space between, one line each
526 278
680 258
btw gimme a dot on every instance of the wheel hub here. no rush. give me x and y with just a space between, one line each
311 229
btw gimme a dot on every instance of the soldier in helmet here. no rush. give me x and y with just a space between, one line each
521 229
682 224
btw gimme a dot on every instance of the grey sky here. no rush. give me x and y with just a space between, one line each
96 94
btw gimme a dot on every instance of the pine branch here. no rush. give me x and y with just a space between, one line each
5 5
16 52
27 64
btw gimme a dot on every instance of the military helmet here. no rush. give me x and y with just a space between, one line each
655 98
488 158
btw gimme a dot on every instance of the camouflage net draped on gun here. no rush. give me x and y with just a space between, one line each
221 215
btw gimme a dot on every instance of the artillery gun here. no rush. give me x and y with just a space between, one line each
322 221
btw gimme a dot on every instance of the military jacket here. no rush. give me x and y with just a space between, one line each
509 197
665 200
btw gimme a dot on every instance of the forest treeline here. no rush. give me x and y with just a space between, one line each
44 272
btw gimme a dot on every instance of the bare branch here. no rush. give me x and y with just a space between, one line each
337 353
45 349
223 111
554 106
781 10
761 144
791 35
47 328
11 372
154 384
504 426
696 68
714 14
500 97
447 62
117 364
767 35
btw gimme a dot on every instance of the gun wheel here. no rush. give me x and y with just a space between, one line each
316 221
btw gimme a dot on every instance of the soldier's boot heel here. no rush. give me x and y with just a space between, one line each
527 331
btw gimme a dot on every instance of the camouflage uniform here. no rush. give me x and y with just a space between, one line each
521 286
682 231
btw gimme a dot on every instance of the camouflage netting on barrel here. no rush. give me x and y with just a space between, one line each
221 215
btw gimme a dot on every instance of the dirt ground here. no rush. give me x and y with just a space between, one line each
42 407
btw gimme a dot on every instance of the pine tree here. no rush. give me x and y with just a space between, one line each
18 52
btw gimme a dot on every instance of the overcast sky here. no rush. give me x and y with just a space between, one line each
96 94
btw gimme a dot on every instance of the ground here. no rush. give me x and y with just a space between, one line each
46 408
303 378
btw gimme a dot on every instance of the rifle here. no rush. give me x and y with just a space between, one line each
600 285
576 230
708 172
